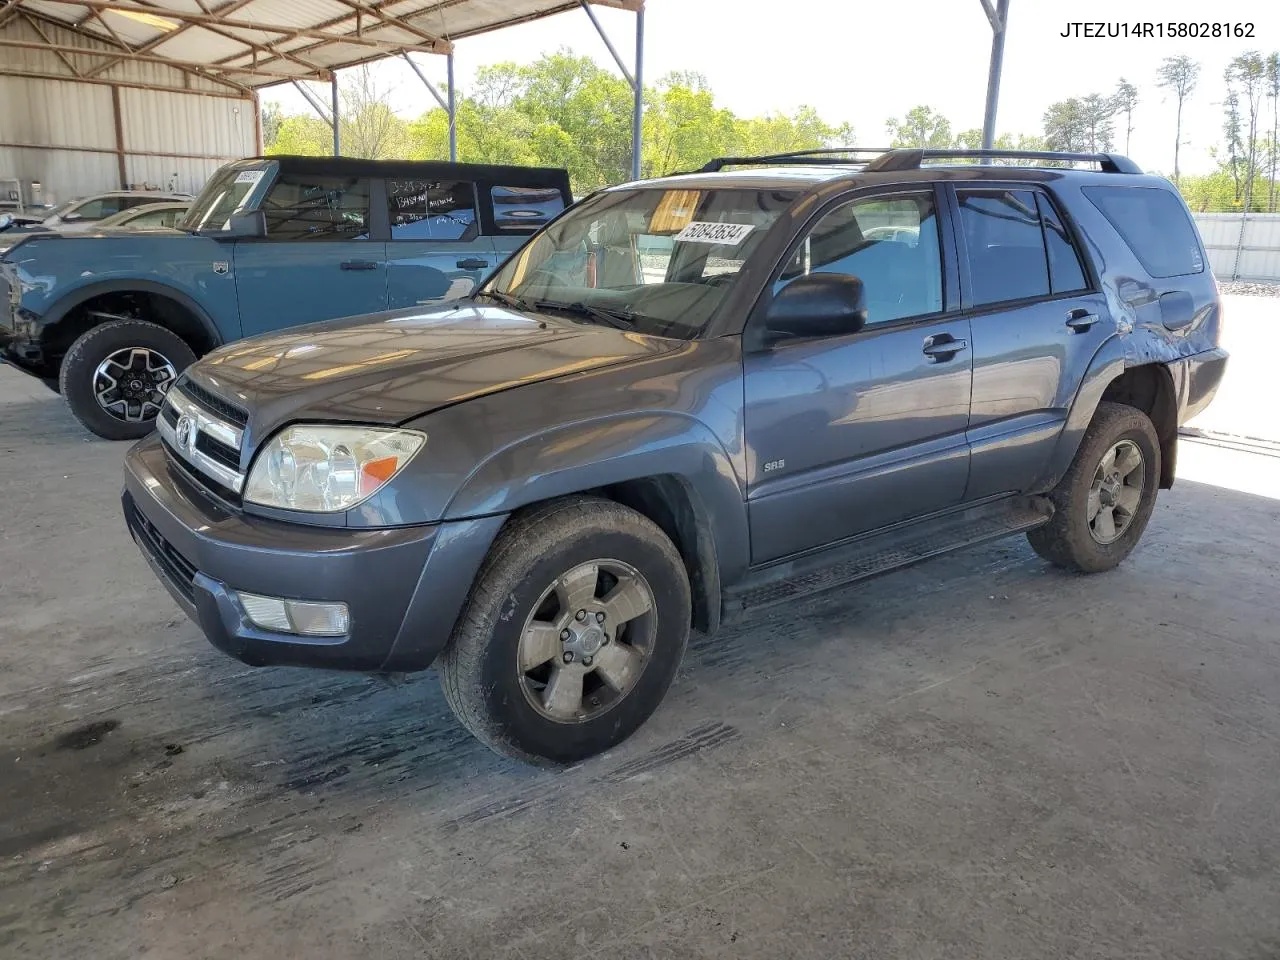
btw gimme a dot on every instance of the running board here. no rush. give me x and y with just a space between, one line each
883 552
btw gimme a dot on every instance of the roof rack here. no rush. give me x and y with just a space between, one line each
834 155
892 160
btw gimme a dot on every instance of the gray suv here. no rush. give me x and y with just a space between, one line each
681 400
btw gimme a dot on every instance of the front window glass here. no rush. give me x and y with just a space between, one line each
524 208
303 207
661 260
227 192
889 243
96 209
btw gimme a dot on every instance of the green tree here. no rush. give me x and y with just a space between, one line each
921 127
1126 101
1066 126
272 116
683 127
1178 75
1231 132
1273 91
303 135
1096 113
1247 73
779 133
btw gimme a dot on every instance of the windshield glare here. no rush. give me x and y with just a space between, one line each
227 192
668 257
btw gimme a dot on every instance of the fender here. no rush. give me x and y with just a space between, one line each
1107 364
83 294
585 456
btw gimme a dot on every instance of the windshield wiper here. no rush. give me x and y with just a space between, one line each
505 299
610 316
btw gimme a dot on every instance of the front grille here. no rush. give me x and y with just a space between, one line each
177 569
213 403
200 479
215 449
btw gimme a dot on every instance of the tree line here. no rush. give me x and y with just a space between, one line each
567 111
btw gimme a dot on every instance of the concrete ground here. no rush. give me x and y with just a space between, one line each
977 757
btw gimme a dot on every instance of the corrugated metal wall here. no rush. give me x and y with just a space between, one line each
62 132
1239 248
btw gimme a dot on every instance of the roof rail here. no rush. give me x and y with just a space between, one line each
820 155
911 159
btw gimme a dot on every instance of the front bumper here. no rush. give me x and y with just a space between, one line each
404 586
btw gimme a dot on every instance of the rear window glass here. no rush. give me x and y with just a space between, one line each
432 209
1154 225
525 208
1006 245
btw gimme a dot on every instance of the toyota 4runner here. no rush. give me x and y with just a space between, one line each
682 400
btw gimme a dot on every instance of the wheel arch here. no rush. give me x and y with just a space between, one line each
1149 387
668 467
186 318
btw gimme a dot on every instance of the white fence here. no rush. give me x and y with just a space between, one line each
1242 248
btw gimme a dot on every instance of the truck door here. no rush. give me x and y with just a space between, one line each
317 262
437 249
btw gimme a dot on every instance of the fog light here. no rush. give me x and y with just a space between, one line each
302 617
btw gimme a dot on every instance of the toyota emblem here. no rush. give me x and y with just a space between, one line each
185 432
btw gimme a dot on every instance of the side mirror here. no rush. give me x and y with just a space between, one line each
71 217
818 305
6 221
251 225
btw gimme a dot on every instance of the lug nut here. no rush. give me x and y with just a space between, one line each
586 661
565 635
580 615
568 656
600 617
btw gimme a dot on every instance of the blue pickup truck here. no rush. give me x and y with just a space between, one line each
111 318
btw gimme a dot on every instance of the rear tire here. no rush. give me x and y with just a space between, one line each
1102 505
528 672
115 376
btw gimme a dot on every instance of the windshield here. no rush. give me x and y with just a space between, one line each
662 260
227 192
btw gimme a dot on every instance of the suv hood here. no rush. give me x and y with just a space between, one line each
392 367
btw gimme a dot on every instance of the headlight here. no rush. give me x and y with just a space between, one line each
326 469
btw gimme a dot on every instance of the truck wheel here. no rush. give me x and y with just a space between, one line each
115 376
572 633
1103 503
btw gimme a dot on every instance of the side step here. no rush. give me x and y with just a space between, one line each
883 552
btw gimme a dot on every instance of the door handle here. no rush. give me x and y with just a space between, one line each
943 347
1081 319
472 263
359 265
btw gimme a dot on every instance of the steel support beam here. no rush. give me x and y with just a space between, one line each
634 79
453 114
316 103
337 125
637 110
999 18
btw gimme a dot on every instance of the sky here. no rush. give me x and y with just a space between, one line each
864 62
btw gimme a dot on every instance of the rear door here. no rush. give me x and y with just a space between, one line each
1037 319
436 250
318 260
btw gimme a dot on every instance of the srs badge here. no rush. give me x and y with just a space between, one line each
220 267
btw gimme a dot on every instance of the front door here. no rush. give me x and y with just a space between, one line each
851 433
1037 322
436 251
317 261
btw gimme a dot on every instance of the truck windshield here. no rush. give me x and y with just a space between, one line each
658 260
227 192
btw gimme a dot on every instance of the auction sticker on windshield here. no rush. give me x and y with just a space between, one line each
248 176
729 234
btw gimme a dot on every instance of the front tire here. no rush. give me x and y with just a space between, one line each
572 633
115 376
1103 503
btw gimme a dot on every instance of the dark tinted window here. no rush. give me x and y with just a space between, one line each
1006 248
432 209
317 208
525 208
890 243
1065 272
1154 225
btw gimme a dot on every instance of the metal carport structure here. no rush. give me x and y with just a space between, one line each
153 56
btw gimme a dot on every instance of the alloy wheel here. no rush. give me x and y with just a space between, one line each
587 641
130 384
1116 492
